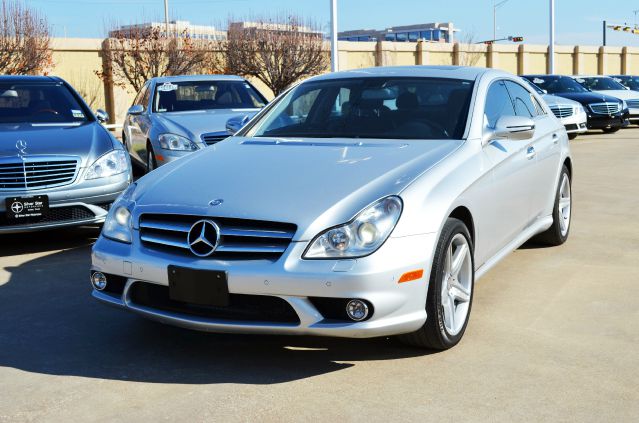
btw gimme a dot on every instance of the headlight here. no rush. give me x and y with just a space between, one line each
176 142
118 223
362 236
112 163
579 109
624 105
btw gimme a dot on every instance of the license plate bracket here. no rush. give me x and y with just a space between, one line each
197 286
27 208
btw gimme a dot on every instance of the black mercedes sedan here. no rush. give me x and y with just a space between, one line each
58 165
603 111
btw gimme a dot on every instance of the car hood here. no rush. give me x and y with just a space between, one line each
89 141
588 97
552 100
195 123
313 183
622 94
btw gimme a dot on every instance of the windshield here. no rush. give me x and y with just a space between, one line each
600 84
399 108
40 102
631 82
534 87
557 84
205 95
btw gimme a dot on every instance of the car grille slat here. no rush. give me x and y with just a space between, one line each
214 137
562 111
605 108
241 239
37 172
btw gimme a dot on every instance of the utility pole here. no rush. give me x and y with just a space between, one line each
166 16
495 7
334 46
551 52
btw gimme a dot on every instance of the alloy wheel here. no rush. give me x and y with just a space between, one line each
564 204
456 284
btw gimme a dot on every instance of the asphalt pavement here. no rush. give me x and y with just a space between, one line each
553 336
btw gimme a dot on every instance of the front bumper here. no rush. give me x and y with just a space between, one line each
576 123
77 204
596 121
398 308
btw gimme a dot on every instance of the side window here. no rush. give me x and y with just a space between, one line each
498 103
138 98
145 97
522 100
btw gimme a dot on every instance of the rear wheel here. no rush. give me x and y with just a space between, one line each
558 233
610 130
450 290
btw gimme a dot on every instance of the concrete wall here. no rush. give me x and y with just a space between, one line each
77 61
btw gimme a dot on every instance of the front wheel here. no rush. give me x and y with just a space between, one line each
557 234
151 162
450 290
611 130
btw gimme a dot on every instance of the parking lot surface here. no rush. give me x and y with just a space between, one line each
553 336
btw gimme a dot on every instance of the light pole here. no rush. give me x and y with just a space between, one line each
495 7
551 50
166 16
334 47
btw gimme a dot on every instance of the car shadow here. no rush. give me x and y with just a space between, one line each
49 324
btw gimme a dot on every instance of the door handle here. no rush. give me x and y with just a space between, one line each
555 138
531 153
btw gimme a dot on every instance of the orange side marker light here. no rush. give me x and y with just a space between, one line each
411 276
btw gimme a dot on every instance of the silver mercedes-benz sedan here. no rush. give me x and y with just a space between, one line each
173 116
357 204
59 166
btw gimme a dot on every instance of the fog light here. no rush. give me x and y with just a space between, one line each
99 281
357 310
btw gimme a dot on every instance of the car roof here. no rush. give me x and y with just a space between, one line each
28 78
451 72
191 78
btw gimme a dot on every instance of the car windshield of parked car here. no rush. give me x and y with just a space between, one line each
372 107
557 84
631 82
39 103
205 95
600 84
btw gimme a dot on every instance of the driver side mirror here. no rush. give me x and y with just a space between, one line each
512 128
102 116
138 109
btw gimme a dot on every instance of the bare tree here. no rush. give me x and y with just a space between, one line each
24 40
140 53
278 54
470 53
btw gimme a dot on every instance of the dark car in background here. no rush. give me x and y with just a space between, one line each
604 112
176 115
58 165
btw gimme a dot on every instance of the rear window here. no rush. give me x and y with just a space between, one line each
39 103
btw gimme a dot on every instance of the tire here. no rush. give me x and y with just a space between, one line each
572 136
151 162
439 332
558 233
611 130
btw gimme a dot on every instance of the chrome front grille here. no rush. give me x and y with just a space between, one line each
633 104
562 111
605 108
214 137
36 173
239 238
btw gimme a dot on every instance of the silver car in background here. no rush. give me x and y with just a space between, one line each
358 204
570 113
177 115
59 166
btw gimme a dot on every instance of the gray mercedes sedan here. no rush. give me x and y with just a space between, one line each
58 165
358 204
177 115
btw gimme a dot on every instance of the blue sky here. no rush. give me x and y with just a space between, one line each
578 21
